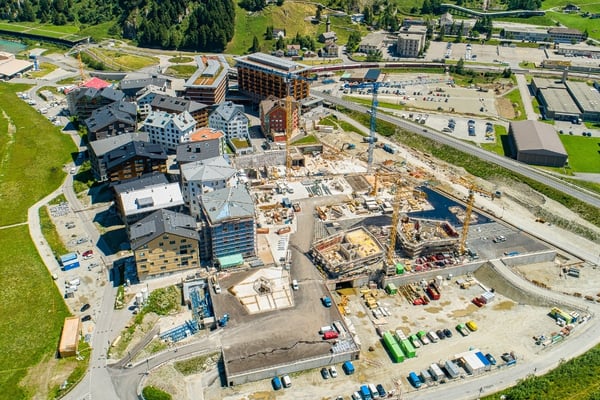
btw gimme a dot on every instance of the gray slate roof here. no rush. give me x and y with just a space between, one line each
103 146
134 149
161 222
227 110
176 104
216 168
155 178
119 111
534 136
227 204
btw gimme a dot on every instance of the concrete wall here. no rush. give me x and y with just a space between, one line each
530 258
288 368
408 277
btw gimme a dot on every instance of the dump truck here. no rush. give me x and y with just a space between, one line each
433 291
462 329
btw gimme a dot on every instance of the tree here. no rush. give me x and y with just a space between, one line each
460 66
353 41
374 55
442 33
255 45
279 3
426 8
280 44
318 13
269 32
368 15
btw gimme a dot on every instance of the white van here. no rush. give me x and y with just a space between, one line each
295 285
374 392
433 337
286 381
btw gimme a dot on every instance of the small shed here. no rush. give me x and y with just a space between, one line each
391 289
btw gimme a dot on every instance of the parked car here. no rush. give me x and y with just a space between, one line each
86 318
85 307
448 333
490 358
324 373
333 371
88 254
381 390
440 334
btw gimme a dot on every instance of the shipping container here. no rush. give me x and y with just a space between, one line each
391 289
436 372
408 349
330 335
426 376
452 369
393 347
373 390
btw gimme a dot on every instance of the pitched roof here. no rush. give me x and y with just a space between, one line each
228 110
228 203
159 223
120 111
95 83
155 178
134 149
535 135
103 146
160 119
202 134
212 169
128 84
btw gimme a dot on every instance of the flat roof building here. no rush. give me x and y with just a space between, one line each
587 99
208 84
261 75
135 204
411 41
537 143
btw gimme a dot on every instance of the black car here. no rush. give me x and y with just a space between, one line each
490 358
381 390
86 318
324 373
440 334
85 307
448 333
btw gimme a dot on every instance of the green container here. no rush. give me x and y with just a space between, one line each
393 347
390 288
399 269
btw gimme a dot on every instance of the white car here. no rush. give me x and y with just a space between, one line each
333 371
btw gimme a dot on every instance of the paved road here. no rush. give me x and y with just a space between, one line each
526 97
504 162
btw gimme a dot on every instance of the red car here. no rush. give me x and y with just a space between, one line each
88 254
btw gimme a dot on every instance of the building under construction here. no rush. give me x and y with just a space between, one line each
208 84
261 75
423 237
347 253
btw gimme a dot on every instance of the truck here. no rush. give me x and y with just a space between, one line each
422 335
326 301
414 380
389 148
367 139
462 329
433 291
433 337
436 372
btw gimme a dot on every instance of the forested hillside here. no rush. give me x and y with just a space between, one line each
199 25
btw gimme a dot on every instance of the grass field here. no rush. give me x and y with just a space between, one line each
515 98
33 153
32 156
32 312
123 61
181 71
68 32
501 141
291 17
584 153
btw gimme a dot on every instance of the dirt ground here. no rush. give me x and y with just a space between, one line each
505 108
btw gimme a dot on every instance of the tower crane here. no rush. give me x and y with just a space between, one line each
467 220
395 219
374 86
80 64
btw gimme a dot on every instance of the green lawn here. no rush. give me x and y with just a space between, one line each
119 61
32 159
68 32
501 143
310 139
515 98
576 21
181 71
30 168
584 153
32 311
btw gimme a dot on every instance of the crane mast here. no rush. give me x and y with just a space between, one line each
467 221
373 126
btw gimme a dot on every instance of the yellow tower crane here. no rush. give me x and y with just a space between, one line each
81 71
395 219
467 220
289 127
